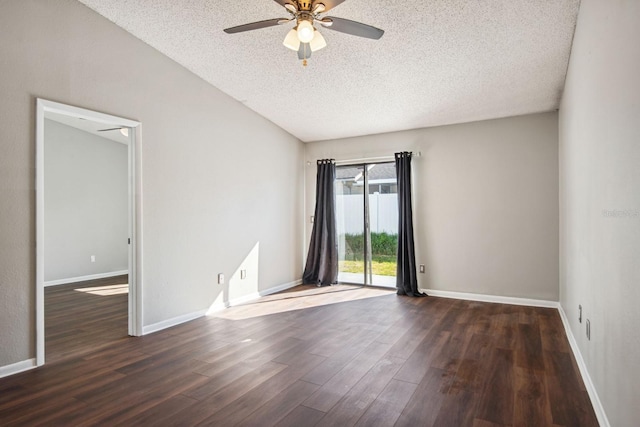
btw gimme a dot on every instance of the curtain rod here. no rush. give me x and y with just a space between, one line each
366 160
381 159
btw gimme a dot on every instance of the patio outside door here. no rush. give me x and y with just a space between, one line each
367 223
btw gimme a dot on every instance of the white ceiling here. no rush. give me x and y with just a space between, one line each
439 61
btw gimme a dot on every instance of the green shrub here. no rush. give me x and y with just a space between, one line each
383 246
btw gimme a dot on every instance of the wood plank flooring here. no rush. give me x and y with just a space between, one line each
85 316
337 356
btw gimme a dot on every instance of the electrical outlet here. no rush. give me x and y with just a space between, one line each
93 258
421 268
580 313
221 279
243 274
588 330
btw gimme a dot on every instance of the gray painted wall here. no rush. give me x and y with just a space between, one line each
217 178
485 202
86 203
600 200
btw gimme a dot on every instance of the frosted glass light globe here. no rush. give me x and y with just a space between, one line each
291 41
305 31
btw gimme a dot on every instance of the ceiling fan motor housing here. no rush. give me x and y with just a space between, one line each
304 5
305 16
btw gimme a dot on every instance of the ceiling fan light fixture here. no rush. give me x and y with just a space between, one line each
291 41
305 31
318 42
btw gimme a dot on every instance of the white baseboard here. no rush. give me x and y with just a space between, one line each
492 298
586 378
155 327
215 308
251 297
15 368
264 292
85 278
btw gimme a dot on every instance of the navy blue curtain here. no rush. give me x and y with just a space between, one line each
321 268
406 279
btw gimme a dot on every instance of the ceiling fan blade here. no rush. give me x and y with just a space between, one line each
254 26
354 28
329 4
304 52
105 130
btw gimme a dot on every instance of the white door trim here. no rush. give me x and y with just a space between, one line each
135 212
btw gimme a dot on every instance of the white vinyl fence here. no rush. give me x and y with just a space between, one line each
383 213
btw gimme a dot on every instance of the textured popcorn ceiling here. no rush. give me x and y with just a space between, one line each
439 61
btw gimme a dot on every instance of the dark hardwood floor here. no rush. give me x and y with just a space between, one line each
335 356
85 316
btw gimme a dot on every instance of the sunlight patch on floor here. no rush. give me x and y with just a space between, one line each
106 290
299 298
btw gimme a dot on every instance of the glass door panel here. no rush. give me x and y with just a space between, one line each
382 206
350 223
367 223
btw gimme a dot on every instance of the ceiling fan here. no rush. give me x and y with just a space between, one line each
304 38
123 130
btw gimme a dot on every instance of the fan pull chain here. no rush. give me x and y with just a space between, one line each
304 59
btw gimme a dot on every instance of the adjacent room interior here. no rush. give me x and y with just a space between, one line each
85 212
522 123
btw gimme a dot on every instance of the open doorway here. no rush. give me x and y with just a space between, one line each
86 230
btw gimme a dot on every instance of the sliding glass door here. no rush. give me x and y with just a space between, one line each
367 223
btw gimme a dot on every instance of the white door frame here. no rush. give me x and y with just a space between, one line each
135 208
